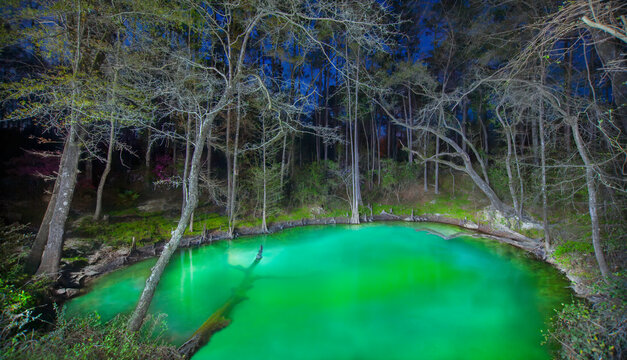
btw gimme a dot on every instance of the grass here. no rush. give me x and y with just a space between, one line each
147 228
456 207
209 221
124 224
569 251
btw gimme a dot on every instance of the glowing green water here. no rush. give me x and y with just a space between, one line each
337 292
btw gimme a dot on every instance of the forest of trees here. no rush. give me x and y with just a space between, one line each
527 100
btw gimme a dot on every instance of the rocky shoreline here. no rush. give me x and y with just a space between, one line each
74 282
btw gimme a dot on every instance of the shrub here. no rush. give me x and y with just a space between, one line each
316 182
593 331
396 176
88 338
565 252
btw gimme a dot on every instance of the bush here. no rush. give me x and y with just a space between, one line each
397 176
88 338
18 292
567 251
316 182
593 331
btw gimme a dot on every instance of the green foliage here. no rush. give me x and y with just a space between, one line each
128 197
567 251
499 180
316 182
274 193
593 331
396 176
88 338
458 207
209 221
18 292
147 228
573 246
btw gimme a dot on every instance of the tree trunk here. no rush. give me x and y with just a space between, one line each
545 216
464 120
568 85
232 212
437 166
145 299
111 101
51 256
188 130
389 139
508 160
534 140
264 227
592 199
355 152
326 109
147 158
34 256
521 202
105 173
283 158
229 159
426 165
66 178
209 151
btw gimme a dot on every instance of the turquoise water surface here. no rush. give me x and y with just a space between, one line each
376 291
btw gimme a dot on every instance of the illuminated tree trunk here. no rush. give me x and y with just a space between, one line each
545 211
232 212
592 200
264 226
51 256
34 256
105 173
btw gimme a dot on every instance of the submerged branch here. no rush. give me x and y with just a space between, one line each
220 318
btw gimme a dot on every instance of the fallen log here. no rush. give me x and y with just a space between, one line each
220 318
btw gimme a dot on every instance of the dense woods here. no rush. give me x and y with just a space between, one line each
258 108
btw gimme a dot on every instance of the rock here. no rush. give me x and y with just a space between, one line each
77 223
66 292
59 292
157 205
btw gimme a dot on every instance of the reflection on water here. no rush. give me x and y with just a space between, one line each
388 291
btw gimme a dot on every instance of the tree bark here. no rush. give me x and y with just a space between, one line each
326 109
355 152
209 151
264 226
49 264
426 166
105 173
34 256
545 211
188 130
145 299
508 160
147 158
51 256
437 166
232 212
592 200
111 101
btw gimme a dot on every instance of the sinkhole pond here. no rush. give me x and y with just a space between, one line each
375 291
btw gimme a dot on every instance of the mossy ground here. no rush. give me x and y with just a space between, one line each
458 198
